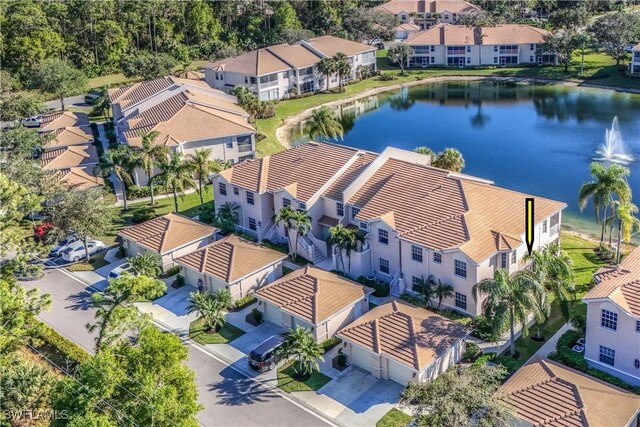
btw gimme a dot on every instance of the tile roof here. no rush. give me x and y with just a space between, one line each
330 45
296 55
620 284
313 294
77 178
231 258
430 6
167 232
69 157
407 26
68 136
303 170
354 170
448 34
63 119
413 336
545 393
254 63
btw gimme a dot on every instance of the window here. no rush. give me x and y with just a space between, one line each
384 266
532 46
544 226
223 188
269 78
495 59
433 59
468 49
285 75
638 326
252 224
460 268
531 58
607 355
246 79
229 144
416 284
495 48
503 261
416 253
252 80
286 202
437 257
461 301
339 209
383 236
236 191
302 206
363 226
354 212
455 50
468 60
513 257
250 197
433 49
609 320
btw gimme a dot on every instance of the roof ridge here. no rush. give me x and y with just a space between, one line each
232 259
432 223
375 330
263 177
314 299
165 233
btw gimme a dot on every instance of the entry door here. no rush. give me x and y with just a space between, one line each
503 61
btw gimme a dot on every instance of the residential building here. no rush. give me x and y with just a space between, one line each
462 46
404 30
426 13
73 156
62 119
402 343
66 136
418 220
170 236
613 320
232 263
315 299
545 393
634 63
187 114
276 72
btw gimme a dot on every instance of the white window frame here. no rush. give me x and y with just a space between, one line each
608 320
416 251
381 261
383 234
460 265
460 299
437 257
606 352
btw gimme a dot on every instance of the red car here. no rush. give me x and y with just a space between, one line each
41 231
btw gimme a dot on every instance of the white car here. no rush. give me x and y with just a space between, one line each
62 245
75 251
120 270
32 122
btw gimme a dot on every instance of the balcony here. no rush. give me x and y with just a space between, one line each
554 229
245 148
508 51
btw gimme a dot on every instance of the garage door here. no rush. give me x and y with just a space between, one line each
399 373
362 358
272 314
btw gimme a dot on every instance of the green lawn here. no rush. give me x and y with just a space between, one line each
97 260
287 383
225 335
394 418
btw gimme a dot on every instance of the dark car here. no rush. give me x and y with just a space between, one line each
263 356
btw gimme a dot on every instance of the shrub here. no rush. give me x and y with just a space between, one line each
342 358
257 315
508 362
172 271
179 280
482 329
565 355
484 359
69 349
381 289
579 321
449 314
244 302
385 77
122 252
330 343
471 352
143 214
276 246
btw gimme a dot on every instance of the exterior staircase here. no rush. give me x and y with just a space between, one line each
396 286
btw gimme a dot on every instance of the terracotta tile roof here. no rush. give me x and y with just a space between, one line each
68 136
407 26
167 232
77 178
308 166
296 55
413 336
254 63
328 221
354 170
133 94
447 34
620 284
545 393
63 119
430 6
313 294
231 258
69 157
330 45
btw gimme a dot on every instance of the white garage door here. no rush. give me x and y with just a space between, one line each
272 314
399 373
362 358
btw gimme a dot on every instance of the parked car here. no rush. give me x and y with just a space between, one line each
91 98
42 230
62 245
75 251
263 356
32 122
119 270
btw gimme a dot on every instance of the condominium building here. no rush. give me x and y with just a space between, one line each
276 72
426 13
461 46
418 220
634 64
612 341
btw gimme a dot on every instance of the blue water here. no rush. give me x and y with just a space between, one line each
535 139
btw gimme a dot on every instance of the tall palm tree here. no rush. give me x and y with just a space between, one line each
146 264
342 67
176 174
627 222
323 123
223 296
102 104
542 310
425 287
507 300
119 161
442 290
203 166
148 154
607 182
209 308
344 240
326 67
426 151
228 216
296 223
450 159
300 345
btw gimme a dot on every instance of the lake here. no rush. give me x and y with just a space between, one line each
538 139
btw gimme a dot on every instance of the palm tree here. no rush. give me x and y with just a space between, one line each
507 300
185 70
301 345
542 310
426 151
25 384
223 296
102 104
607 182
203 166
293 221
176 174
209 308
442 290
323 123
425 288
146 264
450 159
119 161
227 216
150 153
326 67
344 241
627 222
342 67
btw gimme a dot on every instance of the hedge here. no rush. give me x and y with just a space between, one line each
244 302
381 289
69 349
330 343
449 314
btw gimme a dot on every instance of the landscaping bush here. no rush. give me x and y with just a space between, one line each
243 302
484 359
385 77
172 271
579 322
471 352
330 343
565 355
449 314
257 315
482 329
142 215
122 252
381 289
179 281
62 345
275 246
508 362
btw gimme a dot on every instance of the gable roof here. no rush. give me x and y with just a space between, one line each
77 178
69 157
254 63
410 335
428 6
330 45
167 232
231 258
448 34
620 284
352 172
313 294
63 119
547 393
63 137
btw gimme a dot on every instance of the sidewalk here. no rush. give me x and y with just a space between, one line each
550 346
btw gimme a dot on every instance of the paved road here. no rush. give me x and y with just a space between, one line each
229 398
77 101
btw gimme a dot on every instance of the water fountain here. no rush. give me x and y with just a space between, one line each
613 149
